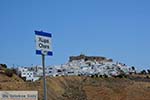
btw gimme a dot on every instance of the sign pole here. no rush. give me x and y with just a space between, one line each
44 77
43 48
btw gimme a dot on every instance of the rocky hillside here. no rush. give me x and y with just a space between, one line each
82 88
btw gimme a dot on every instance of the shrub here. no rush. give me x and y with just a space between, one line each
92 76
105 76
143 72
100 76
9 72
120 76
3 65
147 77
96 75
14 70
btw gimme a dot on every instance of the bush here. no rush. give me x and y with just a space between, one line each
120 76
14 70
9 72
105 76
143 72
147 77
100 76
92 76
96 75
3 65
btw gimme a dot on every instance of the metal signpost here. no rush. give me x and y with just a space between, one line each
43 47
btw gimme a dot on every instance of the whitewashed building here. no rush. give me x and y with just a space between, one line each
76 67
27 74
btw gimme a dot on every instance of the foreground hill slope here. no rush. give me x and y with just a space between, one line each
82 88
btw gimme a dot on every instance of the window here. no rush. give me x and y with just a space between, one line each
50 68
50 71
59 70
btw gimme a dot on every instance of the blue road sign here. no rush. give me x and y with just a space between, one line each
43 43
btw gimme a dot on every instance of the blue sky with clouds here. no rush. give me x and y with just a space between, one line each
117 29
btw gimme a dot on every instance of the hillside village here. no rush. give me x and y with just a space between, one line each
82 78
78 66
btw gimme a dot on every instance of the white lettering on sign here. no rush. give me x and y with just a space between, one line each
43 43
18 95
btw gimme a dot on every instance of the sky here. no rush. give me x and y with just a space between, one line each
117 29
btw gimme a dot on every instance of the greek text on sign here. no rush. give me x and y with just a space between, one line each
43 43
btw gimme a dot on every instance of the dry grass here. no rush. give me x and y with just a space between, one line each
82 88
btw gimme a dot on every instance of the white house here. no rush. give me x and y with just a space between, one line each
75 67
24 72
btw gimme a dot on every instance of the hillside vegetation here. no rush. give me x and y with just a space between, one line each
82 88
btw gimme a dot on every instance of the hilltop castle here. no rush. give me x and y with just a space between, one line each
90 58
